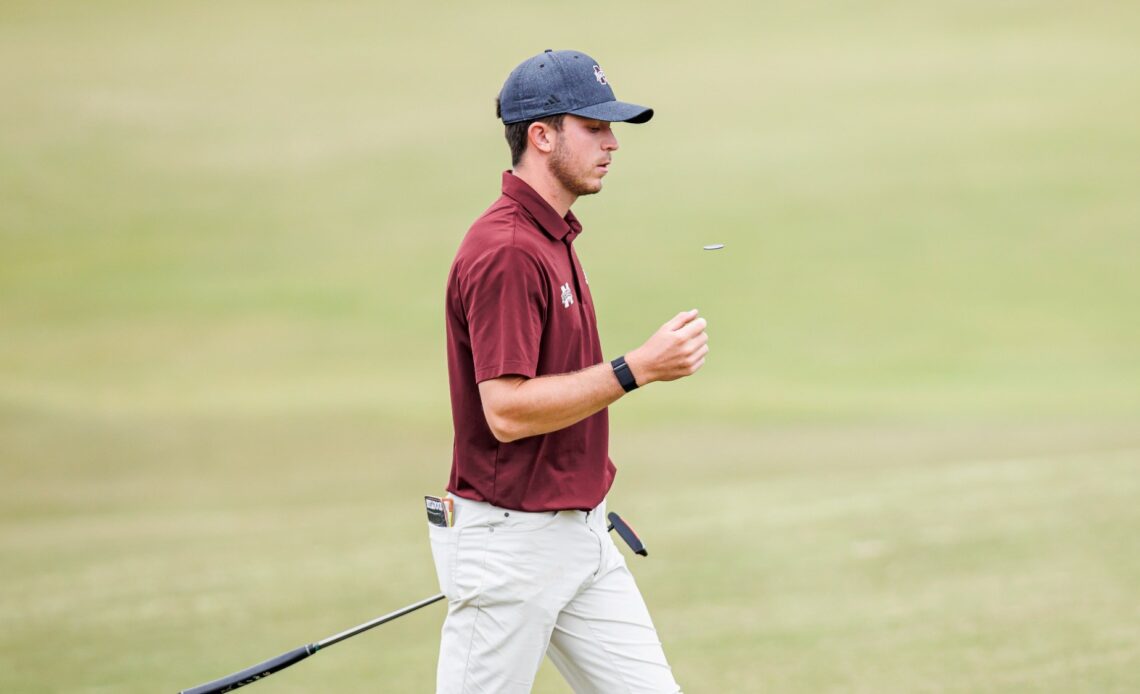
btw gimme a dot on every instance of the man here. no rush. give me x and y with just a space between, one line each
528 567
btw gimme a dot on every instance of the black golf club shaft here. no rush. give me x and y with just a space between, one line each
266 668
337 638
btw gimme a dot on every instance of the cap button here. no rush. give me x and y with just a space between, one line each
549 50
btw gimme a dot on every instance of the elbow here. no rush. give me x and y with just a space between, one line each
503 428
504 411
503 436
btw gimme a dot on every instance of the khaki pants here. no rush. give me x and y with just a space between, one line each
520 585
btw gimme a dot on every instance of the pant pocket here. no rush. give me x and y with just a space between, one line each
443 554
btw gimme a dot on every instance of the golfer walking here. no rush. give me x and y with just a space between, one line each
528 567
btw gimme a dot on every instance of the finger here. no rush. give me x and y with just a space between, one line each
688 348
677 321
692 329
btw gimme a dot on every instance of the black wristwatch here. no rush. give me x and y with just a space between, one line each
624 375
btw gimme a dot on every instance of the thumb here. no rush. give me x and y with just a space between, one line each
681 319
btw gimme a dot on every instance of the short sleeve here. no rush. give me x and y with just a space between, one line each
505 300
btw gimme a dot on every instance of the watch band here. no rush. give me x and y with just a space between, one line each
624 375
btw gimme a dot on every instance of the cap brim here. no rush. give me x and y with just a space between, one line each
615 112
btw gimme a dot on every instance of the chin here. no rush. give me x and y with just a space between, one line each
586 187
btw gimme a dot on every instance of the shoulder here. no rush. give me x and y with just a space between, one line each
503 235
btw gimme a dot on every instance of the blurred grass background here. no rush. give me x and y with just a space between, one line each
912 462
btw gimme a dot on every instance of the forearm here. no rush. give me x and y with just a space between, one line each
518 407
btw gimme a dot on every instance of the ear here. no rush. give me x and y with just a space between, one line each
541 137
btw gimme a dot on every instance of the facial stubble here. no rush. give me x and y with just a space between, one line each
560 166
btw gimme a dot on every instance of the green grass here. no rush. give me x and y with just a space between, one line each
911 463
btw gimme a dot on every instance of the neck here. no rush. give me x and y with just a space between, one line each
547 186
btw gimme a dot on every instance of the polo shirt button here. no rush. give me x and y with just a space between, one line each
506 514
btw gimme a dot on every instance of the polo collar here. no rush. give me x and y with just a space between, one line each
557 228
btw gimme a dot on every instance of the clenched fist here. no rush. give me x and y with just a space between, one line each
676 350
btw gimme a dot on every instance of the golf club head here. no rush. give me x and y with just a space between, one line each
626 533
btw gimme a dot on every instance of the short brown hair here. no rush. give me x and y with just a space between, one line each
516 132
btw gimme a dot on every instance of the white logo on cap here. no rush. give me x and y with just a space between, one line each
599 75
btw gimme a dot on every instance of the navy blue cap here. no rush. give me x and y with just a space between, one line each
564 82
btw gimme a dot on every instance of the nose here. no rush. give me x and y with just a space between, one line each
610 143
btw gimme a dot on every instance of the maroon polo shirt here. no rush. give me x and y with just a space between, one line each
518 304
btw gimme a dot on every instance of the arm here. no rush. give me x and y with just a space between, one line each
518 407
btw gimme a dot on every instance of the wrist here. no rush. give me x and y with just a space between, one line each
637 368
624 374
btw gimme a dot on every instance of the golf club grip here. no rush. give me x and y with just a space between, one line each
253 674
626 533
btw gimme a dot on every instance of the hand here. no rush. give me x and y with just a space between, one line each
676 350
